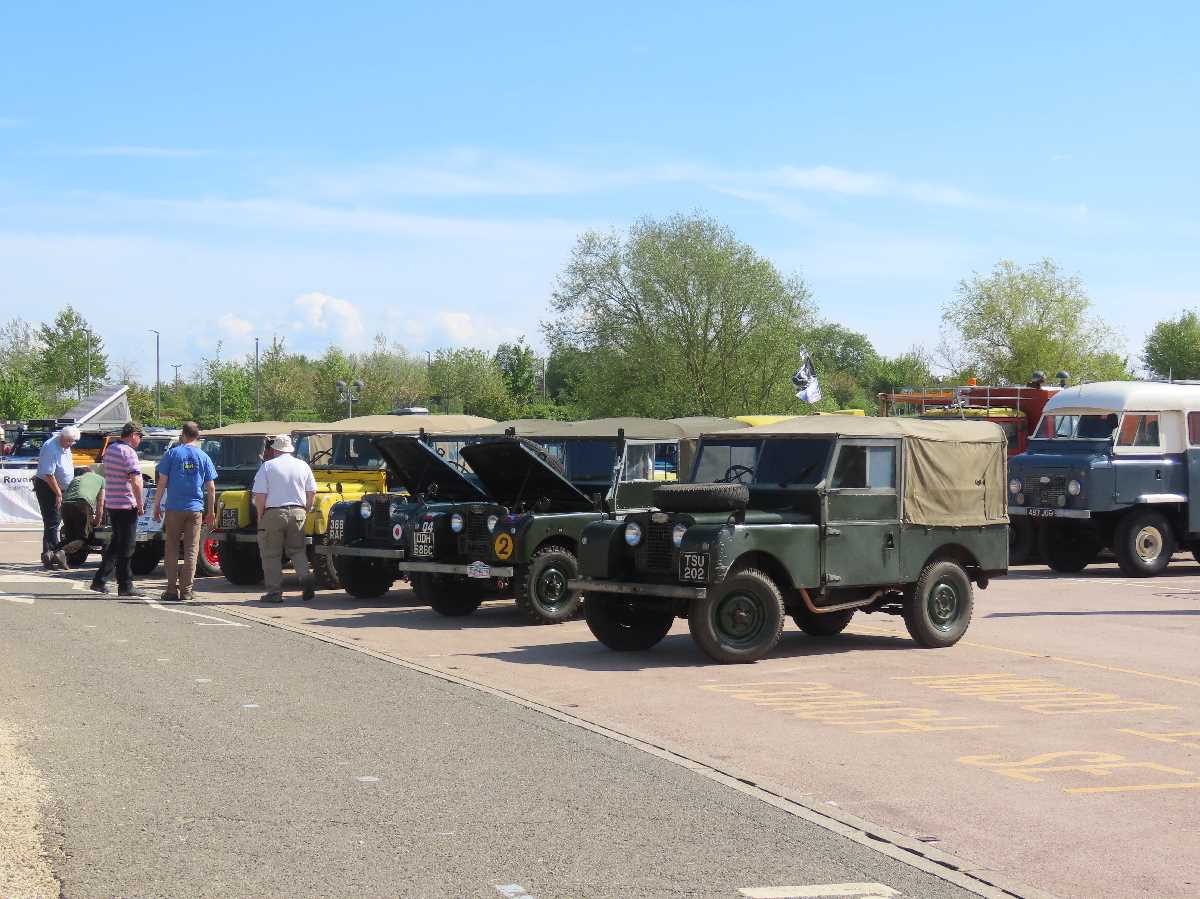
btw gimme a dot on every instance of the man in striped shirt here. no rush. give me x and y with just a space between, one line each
123 499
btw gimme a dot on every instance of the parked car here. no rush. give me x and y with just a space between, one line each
1115 465
813 517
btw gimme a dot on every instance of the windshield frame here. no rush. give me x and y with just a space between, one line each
821 475
1079 416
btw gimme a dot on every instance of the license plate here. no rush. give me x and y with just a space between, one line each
479 570
337 529
693 567
229 518
1042 513
423 540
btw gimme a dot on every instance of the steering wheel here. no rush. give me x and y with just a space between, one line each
319 455
734 473
457 465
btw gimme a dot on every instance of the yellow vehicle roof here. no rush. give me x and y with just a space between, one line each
756 421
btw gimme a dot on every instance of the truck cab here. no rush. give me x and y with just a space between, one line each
1113 465
817 518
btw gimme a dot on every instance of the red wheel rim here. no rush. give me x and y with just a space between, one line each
210 551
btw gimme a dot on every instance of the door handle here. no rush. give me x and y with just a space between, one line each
889 542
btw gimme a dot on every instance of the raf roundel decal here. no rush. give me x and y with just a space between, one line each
397 531
504 546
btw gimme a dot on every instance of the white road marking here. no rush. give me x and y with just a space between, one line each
367 779
512 891
250 705
818 890
220 621
162 660
15 597
204 680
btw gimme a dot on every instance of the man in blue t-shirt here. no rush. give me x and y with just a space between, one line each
186 477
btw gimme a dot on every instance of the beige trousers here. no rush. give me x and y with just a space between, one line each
177 527
280 531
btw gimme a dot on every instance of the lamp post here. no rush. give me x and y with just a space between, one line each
348 393
257 382
157 339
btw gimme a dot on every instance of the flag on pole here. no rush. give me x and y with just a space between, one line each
805 379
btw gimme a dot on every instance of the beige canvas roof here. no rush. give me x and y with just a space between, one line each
635 428
527 427
695 425
947 431
955 472
402 424
258 428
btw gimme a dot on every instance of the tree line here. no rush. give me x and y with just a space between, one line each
672 317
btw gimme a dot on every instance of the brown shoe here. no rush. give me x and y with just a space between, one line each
169 596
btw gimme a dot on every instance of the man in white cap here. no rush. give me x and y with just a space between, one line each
284 489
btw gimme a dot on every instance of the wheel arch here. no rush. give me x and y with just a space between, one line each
768 564
956 552
559 541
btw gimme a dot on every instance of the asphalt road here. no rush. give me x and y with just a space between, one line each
191 752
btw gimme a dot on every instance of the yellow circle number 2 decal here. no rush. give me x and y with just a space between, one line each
504 546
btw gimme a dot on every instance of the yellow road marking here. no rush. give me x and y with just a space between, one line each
1134 789
1167 737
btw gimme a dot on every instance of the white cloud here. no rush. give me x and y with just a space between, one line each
233 327
331 315
471 329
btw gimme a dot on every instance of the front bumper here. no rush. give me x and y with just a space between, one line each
104 535
1033 512
370 552
634 588
449 568
245 537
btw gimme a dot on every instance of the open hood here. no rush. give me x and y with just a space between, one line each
422 471
516 473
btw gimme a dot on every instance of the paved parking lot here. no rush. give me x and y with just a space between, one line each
1058 744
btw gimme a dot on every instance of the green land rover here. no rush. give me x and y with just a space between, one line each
816 517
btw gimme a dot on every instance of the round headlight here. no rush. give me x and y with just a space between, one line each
677 534
492 521
1015 486
364 509
395 511
633 533
1074 487
456 523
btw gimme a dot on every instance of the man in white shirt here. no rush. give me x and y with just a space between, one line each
284 489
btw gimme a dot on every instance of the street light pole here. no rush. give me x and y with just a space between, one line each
157 379
257 383
346 392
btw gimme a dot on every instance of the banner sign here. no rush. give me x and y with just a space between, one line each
18 503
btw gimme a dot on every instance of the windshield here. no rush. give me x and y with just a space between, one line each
234 452
350 451
154 448
781 462
29 446
584 460
1077 427
90 442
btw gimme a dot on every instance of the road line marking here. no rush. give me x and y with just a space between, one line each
203 680
818 890
512 891
1041 655
250 705
1167 737
367 779
876 837
1138 788
13 597
220 621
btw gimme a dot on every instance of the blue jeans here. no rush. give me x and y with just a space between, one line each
51 517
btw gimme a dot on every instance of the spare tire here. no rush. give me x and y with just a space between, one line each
701 497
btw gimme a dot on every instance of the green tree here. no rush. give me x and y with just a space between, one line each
391 378
333 366
1006 325
679 318
224 392
1173 347
18 396
469 381
286 384
64 348
911 369
520 368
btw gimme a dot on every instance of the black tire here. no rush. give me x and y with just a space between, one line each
240 563
145 559
453 597
540 587
1021 541
324 573
701 497
937 611
77 558
823 624
1066 548
625 625
1144 543
208 562
367 578
740 619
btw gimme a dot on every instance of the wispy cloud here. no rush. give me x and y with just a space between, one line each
140 152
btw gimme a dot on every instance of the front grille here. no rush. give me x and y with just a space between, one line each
1047 495
659 547
381 520
477 527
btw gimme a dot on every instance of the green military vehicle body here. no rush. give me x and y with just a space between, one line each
367 537
549 481
816 518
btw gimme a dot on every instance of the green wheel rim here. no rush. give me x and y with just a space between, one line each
552 587
944 605
739 618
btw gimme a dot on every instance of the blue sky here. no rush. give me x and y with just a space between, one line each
327 173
